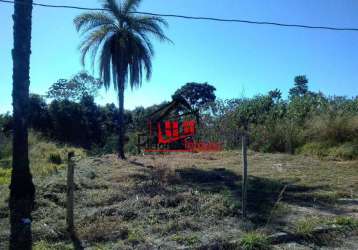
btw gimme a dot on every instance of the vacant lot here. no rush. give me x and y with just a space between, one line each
193 201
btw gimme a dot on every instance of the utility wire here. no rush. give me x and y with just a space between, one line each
196 17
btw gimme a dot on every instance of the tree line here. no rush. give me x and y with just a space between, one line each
305 122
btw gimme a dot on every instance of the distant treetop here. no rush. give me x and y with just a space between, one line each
198 95
301 87
82 84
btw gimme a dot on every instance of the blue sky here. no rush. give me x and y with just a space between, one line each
238 59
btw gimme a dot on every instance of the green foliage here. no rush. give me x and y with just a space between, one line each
198 95
5 175
39 117
44 245
45 157
81 123
346 151
314 148
135 236
255 241
333 127
125 46
305 227
131 145
308 123
349 222
40 150
252 111
300 88
82 84
186 240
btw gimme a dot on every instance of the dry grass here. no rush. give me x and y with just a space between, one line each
190 200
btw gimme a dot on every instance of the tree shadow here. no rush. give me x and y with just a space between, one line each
262 193
76 242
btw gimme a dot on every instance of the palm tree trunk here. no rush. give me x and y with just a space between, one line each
22 190
121 121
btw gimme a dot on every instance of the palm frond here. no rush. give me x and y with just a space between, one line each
91 20
130 6
140 57
151 25
113 8
146 41
105 63
92 42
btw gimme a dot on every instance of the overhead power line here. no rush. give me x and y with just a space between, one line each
198 17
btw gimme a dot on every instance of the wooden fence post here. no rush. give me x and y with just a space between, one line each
70 187
244 174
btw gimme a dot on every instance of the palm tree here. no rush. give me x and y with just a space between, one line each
22 190
119 39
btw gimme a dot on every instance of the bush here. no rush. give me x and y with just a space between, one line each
131 145
332 128
346 151
276 136
315 148
5 146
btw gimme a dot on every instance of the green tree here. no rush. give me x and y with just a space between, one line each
22 189
198 95
300 88
120 39
39 118
82 84
275 95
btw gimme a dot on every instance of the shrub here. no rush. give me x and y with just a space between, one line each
314 148
5 146
332 128
346 151
131 145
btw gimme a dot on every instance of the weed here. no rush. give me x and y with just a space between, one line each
5 175
306 227
346 151
277 206
186 240
135 236
314 148
255 241
348 222
103 229
44 245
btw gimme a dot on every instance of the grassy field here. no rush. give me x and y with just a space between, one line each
193 201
